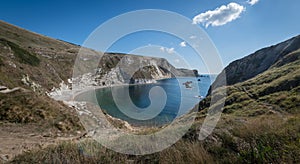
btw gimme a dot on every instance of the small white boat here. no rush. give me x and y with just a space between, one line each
199 96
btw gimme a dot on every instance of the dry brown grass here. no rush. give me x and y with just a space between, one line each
27 107
186 152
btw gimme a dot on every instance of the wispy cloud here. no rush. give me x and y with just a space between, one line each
220 16
193 37
252 2
182 44
167 50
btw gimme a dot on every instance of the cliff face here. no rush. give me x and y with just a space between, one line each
47 62
32 65
260 61
117 68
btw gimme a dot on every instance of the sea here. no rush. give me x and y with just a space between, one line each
154 104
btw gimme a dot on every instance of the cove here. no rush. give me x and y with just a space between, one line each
180 99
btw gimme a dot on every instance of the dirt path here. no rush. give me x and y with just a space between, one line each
16 139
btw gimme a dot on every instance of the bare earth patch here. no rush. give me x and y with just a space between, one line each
16 139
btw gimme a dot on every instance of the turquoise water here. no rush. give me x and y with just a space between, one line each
179 99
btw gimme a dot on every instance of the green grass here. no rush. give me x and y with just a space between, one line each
252 129
270 139
265 139
260 122
27 107
276 90
21 54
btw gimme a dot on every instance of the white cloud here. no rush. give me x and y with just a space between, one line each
252 2
176 60
220 16
182 44
167 50
193 37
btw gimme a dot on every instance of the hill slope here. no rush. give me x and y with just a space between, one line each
32 64
48 62
260 61
260 120
259 124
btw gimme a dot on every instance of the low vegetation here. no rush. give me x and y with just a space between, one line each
21 54
253 129
32 108
259 124
267 139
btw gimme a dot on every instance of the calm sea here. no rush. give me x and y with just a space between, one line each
180 99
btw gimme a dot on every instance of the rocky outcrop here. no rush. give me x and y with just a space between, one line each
260 61
121 68
7 90
47 62
116 68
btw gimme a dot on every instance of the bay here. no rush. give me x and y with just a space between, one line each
180 99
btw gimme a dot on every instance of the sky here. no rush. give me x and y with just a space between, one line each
236 28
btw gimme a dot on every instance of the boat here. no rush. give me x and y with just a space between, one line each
199 96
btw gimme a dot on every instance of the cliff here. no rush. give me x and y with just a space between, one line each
47 62
116 68
31 65
260 116
260 61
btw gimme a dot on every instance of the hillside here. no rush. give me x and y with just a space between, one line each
116 68
31 65
259 124
260 61
260 120
48 62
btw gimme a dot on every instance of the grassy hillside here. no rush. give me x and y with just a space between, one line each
259 124
260 121
31 65
37 109
35 64
46 61
260 61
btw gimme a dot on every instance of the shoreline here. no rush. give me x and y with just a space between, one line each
118 85
90 88
75 93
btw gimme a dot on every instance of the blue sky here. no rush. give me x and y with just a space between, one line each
237 28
